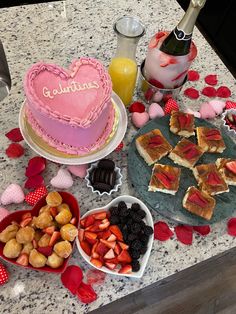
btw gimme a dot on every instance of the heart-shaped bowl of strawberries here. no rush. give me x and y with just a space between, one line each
41 238
117 238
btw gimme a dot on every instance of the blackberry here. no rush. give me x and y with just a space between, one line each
144 239
114 220
135 207
129 222
123 220
136 217
135 265
136 228
114 211
120 226
148 230
122 204
124 212
125 235
143 250
134 254
136 244
132 237
124 228
141 213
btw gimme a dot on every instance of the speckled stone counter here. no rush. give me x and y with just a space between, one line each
58 32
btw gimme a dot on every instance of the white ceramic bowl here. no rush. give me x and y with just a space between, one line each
117 184
228 130
148 220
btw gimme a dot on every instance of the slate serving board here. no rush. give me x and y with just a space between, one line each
168 205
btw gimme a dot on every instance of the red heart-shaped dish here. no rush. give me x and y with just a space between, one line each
17 215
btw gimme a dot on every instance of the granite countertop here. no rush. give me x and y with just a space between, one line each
58 32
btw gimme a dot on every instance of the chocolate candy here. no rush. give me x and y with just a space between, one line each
102 187
106 164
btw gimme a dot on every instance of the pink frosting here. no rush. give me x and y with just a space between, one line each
71 110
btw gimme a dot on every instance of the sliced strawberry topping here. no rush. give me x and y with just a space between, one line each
165 178
213 135
197 199
187 147
155 141
213 178
191 153
231 166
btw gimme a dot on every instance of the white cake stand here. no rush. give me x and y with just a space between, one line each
61 158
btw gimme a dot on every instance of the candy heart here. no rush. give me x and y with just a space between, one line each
140 119
17 217
230 105
155 111
217 106
195 113
35 166
63 179
79 171
206 111
33 197
157 97
12 195
3 213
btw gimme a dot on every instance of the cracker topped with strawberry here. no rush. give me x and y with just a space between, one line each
210 140
227 167
182 123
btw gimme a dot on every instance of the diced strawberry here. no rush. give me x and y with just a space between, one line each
86 247
35 244
25 222
46 250
100 215
96 262
193 152
81 234
94 227
155 141
91 241
127 269
197 199
213 179
23 259
105 225
117 249
110 254
55 236
112 238
73 221
27 215
94 255
163 179
106 234
49 230
213 135
110 266
124 257
53 211
123 245
89 221
111 245
82 222
113 261
100 234
94 247
90 235
231 166
101 249
116 231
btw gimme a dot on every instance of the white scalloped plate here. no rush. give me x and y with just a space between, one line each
148 220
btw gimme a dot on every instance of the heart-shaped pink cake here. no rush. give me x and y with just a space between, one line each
71 110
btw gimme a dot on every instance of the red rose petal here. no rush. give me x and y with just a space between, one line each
35 166
15 150
191 93
137 106
95 276
211 79
202 230
184 234
119 147
72 278
209 91
193 75
14 135
34 182
231 227
85 293
223 92
162 231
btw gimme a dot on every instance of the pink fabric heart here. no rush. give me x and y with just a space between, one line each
207 112
217 105
155 111
140 119
3 213
12 195
63 179
79 171
195 113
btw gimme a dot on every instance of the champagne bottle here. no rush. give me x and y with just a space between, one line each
170 55
178 42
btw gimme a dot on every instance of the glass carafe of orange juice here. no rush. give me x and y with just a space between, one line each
123 67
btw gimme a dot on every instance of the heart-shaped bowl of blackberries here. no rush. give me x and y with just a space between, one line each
117 238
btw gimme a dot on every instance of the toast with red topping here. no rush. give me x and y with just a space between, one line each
182 123
227 167
210 140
